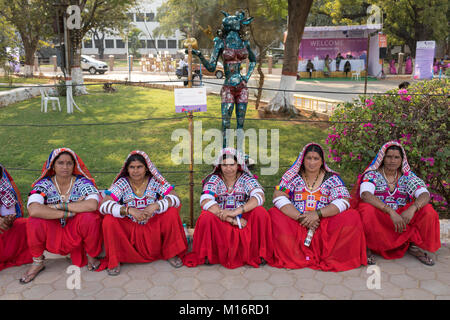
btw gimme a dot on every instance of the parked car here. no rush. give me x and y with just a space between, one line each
93 65
218 73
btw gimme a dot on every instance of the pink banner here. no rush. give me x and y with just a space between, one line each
311 48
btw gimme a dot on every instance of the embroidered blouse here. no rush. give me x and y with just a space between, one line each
122 192
7 198
45 192
408 186
303 199
234 198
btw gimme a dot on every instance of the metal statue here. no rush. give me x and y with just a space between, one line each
233 46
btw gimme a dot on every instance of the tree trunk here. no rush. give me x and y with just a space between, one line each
30 50
75 69
76 72
298 13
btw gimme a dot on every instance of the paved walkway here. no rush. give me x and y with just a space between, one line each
404 278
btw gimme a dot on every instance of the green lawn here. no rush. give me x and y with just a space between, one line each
104 147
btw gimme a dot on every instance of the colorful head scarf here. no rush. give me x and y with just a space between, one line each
9 189
295 168
233 152
151 167
79 166
375 164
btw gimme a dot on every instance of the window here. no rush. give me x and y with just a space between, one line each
87 44
162 44
140 17
142 43
109 43
151 44
150 16
120 44
172 44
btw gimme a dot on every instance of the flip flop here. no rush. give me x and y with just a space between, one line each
114 272
30 277
175 262
93 267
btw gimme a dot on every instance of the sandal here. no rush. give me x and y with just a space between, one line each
92 266
422 256
371 258
175 262
114 272
27 278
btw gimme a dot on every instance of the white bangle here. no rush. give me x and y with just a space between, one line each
163 205
341 204
209 204
280 202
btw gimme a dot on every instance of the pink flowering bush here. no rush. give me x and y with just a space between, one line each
417 117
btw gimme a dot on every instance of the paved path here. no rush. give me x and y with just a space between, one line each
404 278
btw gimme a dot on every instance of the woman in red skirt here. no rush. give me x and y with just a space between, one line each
13 233
142 221
394 208
233 228
312 225
63 213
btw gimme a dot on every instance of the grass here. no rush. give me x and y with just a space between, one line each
104 147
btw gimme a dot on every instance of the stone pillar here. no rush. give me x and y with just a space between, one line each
53 60
142 64
270 63
111 62
131 62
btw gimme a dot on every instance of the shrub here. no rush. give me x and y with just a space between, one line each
417 117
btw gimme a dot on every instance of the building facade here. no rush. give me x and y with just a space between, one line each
143 17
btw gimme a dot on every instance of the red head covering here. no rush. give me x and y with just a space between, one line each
79 167
374 165
151 167
295 168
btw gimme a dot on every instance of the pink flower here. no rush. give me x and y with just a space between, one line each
402 91
368 125
344 133
358 156
337 159
369 103
429 160
351 154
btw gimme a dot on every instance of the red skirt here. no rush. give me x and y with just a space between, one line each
338 243
230 246
82 234
13 245
423 231
162 237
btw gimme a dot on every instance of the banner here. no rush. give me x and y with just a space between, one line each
311 48
423 68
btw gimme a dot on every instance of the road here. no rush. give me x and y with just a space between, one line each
344 90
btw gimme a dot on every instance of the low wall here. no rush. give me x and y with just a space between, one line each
16 95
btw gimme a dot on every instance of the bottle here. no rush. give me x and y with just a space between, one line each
309 236
188 237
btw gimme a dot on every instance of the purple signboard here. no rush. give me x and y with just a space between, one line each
311 48
423 68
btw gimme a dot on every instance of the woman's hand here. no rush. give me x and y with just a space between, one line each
137 214
150 210
310 220
399 222
408 214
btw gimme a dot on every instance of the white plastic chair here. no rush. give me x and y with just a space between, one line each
356 75
45 98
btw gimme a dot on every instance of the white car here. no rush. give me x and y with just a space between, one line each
93 65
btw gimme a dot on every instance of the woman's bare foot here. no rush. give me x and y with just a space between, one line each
36 267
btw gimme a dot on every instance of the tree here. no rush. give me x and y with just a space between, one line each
298 11
94 13
27 17
8 43
405 21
